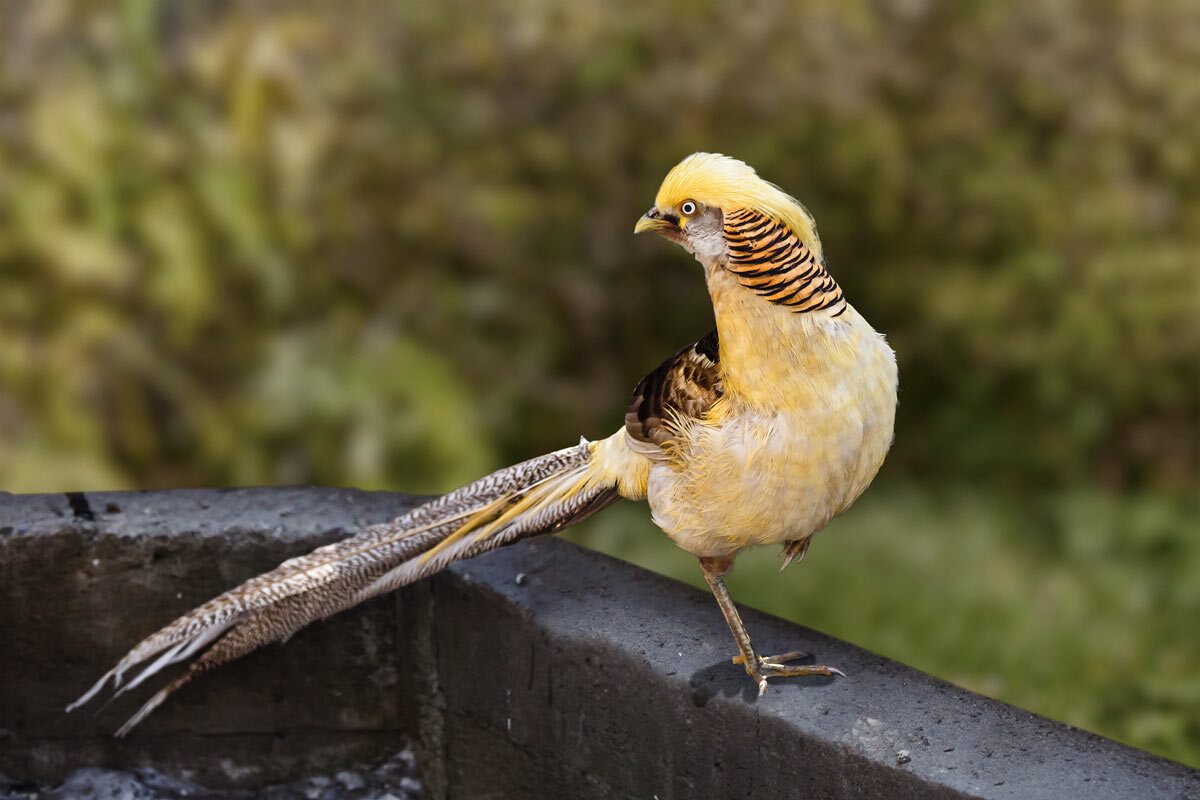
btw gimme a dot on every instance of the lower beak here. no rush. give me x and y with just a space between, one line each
651 221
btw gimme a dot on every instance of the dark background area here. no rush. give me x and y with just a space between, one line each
389 245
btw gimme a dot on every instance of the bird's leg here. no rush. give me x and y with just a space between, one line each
757 667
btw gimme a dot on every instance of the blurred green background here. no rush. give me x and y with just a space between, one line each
389 245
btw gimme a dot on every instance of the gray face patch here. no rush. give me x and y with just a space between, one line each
704 235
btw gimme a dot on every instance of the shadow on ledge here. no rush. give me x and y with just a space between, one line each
589 678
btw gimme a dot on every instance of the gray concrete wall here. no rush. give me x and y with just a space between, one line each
79 587
586 678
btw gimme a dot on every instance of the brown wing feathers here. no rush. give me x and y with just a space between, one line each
685 385
771 260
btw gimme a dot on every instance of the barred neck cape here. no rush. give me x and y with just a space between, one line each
731 185
767 257
773 244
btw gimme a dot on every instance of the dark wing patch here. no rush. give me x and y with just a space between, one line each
769 259
685 385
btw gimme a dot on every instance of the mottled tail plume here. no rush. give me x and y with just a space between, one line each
542 495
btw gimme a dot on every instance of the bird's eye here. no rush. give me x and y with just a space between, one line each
688 208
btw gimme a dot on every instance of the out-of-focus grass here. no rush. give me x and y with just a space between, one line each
1079 606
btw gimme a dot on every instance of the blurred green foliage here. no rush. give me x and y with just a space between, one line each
388 245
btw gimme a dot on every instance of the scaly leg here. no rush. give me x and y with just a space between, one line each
757 667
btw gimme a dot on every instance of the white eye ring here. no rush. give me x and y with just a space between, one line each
688 208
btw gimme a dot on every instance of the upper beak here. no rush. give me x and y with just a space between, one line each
651 221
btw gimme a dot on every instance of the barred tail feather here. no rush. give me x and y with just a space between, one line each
542 495
557 505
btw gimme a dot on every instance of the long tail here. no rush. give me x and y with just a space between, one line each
541 495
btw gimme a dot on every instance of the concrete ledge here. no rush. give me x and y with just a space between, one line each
540 670
84 577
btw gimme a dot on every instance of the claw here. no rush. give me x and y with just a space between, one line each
777 667
780 660
794 549
795 655
757 667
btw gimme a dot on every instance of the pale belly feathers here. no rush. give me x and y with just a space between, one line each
756 476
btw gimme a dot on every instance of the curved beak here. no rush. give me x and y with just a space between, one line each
652 220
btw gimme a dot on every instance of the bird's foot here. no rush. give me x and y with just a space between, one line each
777 667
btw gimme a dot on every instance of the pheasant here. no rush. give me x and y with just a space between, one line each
756 434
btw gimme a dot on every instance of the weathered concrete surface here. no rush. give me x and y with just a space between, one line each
392 779
587 678
592 678
80 585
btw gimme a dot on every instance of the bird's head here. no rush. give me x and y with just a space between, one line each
700 191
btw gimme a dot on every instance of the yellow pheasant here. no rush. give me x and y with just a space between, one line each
758 433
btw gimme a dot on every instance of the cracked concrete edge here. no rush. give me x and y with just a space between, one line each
590 678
